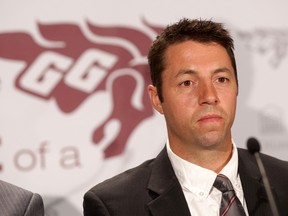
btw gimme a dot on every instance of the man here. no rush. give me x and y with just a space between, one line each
195 87
16 201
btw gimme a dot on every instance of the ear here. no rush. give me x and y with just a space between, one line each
154 98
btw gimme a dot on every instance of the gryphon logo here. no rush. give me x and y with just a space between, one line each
75 66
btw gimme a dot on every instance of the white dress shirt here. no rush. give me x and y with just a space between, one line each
197 184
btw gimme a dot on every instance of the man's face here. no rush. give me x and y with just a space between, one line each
199 95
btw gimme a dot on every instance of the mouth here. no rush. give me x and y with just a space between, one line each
210 118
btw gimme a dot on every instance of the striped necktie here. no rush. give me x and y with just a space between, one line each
230 204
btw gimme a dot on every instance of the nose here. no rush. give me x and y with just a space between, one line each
208 94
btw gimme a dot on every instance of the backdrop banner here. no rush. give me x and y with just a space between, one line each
74 108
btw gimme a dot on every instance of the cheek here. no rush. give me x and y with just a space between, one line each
230 103
187 98
176 106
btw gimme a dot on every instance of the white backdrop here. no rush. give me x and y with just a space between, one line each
51 116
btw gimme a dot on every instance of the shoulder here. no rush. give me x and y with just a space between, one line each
126 180
10 190
129 187
25 200
266 159
273 165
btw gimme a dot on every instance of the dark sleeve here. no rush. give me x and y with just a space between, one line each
35 206
93 205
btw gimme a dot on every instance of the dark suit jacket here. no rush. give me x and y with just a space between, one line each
153 189
16 201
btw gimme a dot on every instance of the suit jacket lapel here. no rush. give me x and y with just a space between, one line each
168 198
254 190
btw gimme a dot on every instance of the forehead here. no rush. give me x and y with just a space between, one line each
196 52
192 48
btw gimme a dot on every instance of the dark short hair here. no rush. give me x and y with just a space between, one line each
203 31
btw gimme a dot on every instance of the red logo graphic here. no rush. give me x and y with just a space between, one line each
77 65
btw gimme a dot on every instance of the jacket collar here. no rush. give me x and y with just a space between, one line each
168 197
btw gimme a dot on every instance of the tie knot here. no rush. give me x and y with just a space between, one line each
223 184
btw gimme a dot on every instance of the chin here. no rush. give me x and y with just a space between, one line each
212 140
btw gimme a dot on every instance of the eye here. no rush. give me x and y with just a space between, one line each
222 79
186 83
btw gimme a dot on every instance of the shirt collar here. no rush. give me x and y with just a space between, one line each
198 179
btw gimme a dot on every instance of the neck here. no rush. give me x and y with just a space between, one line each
210 158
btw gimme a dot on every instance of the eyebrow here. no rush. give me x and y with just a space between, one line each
223 69
185 71
189 71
